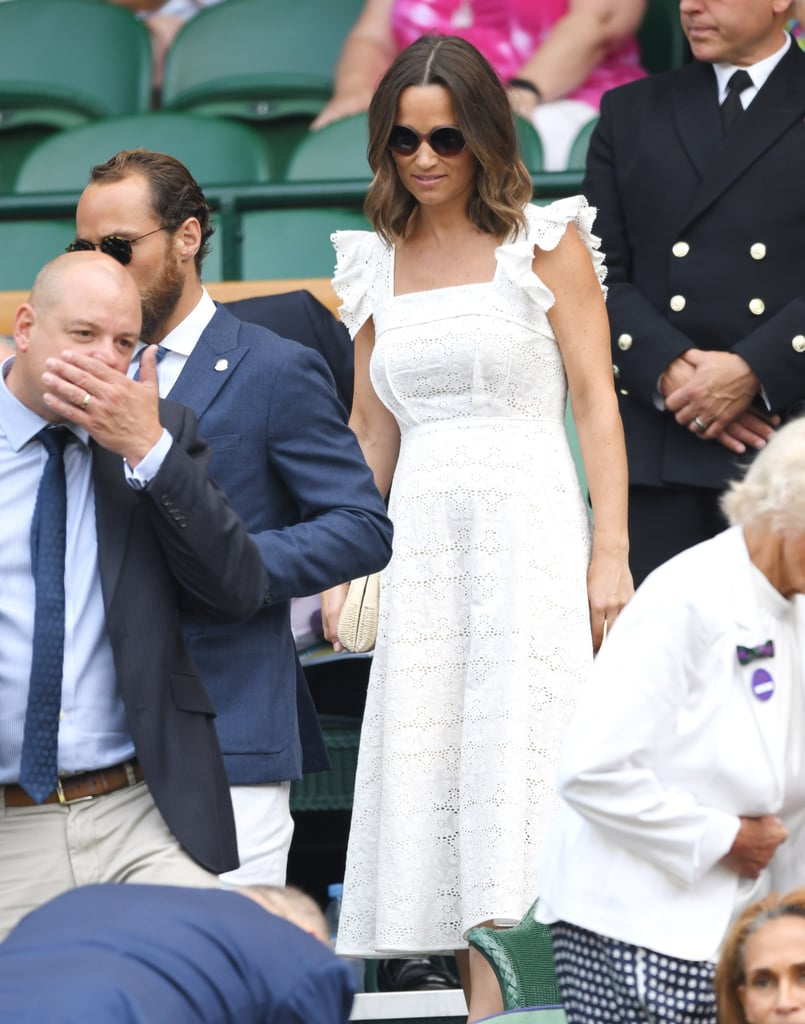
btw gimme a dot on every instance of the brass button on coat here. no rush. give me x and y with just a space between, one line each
624 342
678 303
757 250
757 306
680 249
798 343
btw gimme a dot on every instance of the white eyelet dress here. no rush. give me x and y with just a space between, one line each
484 635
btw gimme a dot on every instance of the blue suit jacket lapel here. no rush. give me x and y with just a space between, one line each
210 364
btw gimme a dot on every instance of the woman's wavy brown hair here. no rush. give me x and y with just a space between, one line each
730 972
502 183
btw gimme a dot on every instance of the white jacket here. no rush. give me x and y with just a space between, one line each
669 746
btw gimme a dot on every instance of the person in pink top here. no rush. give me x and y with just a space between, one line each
556 56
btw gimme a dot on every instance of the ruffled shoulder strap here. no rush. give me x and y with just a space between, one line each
361 275
545 227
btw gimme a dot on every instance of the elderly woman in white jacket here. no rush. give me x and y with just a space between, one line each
683 773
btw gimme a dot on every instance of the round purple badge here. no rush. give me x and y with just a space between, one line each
762 684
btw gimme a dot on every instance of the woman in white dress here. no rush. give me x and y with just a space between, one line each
472 311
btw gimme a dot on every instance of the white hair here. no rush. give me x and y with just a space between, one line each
772 492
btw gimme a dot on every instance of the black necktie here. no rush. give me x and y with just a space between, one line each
732 107
38 761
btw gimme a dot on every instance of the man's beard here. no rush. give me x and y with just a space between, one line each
160 300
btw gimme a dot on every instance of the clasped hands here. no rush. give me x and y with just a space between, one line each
755 845
122 415
710 393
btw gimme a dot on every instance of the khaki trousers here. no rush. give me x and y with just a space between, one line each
118 837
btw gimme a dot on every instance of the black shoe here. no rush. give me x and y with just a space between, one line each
417 974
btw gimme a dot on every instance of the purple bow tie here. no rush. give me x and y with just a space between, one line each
747 654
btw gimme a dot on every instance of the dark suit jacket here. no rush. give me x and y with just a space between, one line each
175 545
300 316
660 174
142 954
295 474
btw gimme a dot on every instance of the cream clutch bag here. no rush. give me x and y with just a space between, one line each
357 624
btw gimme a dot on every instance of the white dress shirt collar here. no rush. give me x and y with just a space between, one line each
180 343
759 73
183 337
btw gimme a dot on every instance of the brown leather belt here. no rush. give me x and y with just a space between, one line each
83 786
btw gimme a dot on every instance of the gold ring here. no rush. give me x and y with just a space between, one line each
700 427
85 400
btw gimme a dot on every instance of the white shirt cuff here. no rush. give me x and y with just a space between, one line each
148 467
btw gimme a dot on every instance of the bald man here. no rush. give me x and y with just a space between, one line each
109 765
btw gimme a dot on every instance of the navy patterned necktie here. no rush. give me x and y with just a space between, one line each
161 353
38 762
732 106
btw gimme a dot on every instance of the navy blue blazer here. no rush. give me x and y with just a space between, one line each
705 244
300 315
137 954
294 472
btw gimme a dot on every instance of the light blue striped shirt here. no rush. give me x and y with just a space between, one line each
92 729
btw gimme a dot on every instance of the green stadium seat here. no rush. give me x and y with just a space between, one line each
336 152
522 959
216 152
62 63
268 63
292 243
25 247
577 160
258 60
662 42
530 144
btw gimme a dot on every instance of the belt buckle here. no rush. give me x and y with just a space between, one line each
64 800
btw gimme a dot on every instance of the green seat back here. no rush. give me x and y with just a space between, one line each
15 145
27 245
258 60
662 42
577 159
216 152
293 243
522 959
336 152
63 62
530 144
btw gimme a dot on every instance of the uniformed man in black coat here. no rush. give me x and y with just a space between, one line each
698 177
